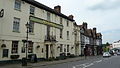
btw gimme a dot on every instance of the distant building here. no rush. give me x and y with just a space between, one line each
116 44
91 41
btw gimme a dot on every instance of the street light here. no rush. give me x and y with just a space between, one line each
27 26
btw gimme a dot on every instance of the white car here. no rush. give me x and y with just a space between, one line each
106 54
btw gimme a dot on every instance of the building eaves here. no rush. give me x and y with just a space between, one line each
39 5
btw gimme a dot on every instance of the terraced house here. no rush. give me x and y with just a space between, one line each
91 41
49 33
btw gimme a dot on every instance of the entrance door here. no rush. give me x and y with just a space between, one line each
47 51
76 50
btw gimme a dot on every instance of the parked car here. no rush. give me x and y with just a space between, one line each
118 53
106 54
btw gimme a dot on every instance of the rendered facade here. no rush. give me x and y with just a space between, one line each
28 27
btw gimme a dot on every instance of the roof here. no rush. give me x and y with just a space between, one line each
89 32
39 5
99 34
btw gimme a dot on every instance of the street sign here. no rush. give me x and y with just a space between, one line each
2 13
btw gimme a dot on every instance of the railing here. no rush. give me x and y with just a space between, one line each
50 38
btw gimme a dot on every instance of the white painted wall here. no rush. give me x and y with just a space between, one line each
7 34
116 45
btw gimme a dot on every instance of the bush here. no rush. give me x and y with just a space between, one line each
62 56
72 56
51 59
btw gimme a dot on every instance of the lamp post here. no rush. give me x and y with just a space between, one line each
27 26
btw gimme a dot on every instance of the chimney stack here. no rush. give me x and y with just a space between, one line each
57 8
71 17
85 25
94 29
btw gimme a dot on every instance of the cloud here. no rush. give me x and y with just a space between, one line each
106 5
111 35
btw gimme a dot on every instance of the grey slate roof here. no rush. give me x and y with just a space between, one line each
39 5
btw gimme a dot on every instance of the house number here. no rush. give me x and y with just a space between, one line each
2 13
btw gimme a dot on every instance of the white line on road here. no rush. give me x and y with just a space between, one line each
98 61
85 65
88 65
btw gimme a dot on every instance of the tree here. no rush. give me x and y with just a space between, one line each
106 47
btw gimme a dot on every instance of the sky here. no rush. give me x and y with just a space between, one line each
102 14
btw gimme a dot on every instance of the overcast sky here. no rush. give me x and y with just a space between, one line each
102 14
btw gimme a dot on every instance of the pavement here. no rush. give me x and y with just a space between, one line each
44 63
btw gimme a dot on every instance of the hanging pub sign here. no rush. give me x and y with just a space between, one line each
1 12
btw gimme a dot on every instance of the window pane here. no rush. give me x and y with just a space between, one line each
61 33
67 35
5 52
14 47
30 47
61 47
31 28
60 20
32 10
17 4
67 23
16 24
67 48
48 16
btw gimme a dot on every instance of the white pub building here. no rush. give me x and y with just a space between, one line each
50 32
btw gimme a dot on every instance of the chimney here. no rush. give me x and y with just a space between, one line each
85 25
57 8
94 29
71 17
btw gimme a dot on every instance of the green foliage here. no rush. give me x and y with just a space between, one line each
105 45
105 49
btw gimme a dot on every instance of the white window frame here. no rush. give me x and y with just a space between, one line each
17 5
31 28
16 24
14 47
32 10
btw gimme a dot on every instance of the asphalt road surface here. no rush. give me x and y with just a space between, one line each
111 62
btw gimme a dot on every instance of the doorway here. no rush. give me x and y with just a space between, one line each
47 51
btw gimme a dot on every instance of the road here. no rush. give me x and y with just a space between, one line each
111 62
94 62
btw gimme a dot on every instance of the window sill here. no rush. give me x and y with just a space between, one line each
32 14
4 57
61 38
17 9
31 33
17 31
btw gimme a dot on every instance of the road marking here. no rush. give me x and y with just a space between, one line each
74 67
98 61
88 65
85 65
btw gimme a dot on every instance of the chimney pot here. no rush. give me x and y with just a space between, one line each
94 29
85 25
71 17
57 8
